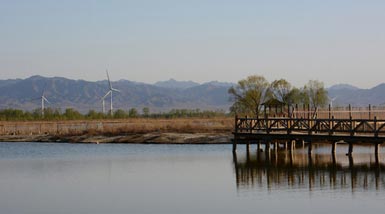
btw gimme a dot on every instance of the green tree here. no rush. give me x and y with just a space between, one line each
279 90
57 114
146 111
133 112
72 114
120 114
49 113
294 96
36 114
12 114
249 94
315 94
92 114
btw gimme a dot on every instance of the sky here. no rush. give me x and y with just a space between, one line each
333 41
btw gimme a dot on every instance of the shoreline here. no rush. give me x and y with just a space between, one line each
139 130
131 138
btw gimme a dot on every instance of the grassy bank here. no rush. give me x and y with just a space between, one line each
117 126
138 130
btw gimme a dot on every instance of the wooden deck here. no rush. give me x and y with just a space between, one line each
288 130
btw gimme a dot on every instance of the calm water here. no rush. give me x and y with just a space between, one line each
79 178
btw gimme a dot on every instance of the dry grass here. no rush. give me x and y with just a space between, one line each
115 127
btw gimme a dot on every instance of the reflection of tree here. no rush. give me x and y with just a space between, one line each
274 170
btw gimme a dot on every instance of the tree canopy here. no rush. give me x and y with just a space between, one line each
316 93
72 114
250 94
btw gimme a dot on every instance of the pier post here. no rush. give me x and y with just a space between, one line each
351 161
288 111
247 154
377 148
235 161
267 150
276 110
309 151
267 145
235 144
376 154
275 147
334 145
334 159
350 111
248 147
350 152
291 145
259 146
236 133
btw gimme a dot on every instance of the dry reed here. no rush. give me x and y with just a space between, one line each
116 127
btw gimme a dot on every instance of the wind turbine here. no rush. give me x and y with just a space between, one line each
43 100
111 89
331 101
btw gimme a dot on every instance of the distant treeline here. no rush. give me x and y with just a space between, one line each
72 114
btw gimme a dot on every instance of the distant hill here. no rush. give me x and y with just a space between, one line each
343 87
162 96
171 83
84 95
8 82
224 84
346 94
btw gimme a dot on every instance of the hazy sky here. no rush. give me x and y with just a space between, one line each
334 41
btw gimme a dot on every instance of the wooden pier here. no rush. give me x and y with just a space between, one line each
288 131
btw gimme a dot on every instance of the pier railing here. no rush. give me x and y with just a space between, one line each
309 126
303 111
277 126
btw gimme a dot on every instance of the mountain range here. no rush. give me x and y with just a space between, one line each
161 96
84 95
344 94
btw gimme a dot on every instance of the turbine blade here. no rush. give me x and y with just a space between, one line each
44 89
45 99
109 92
109 82
114 89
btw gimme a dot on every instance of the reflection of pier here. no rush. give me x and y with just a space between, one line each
274 169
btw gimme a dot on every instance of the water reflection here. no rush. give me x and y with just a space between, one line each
298 170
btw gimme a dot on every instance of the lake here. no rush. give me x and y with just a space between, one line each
137 178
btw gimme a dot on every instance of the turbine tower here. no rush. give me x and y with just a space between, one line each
103 101
43 100
104 108
111 89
